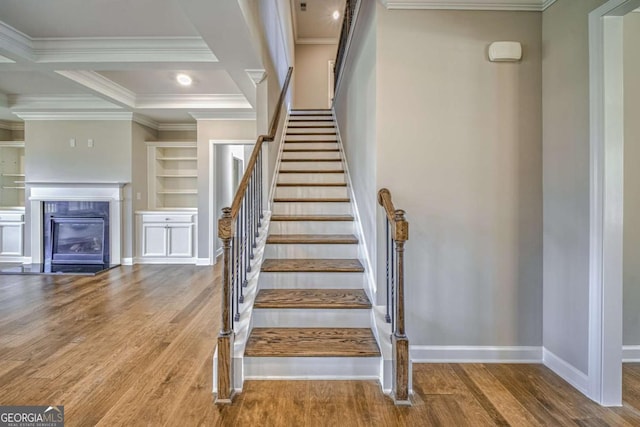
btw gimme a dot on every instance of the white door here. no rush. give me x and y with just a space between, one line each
180 243
11 239
154 240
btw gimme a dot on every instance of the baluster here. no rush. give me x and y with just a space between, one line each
387 257
260 185
393 285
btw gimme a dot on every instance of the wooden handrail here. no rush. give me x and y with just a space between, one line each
397 234
251 164
238 228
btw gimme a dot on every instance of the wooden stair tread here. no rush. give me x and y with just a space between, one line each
312 200
312 218
339 239
310 126
309 141
311 171
311 184
312 298
311 160
312 342
310 133
301 118
312 265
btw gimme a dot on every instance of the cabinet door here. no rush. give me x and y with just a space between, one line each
180 240
10 239
154 240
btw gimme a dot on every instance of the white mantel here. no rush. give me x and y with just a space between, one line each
76 191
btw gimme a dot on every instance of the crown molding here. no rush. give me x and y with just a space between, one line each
145 121
177 127
76 115
16 41
316 40
6 125
256 76
517 5
224 115
233 101
122 49
58 102
101 84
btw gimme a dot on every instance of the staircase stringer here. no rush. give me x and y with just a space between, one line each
381 329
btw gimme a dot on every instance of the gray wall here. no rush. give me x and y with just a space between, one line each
565 106
457 140
312 75
631 273
177 135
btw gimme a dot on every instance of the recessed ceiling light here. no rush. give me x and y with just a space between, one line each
184 79
336 15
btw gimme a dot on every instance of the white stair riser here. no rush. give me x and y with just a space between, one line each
311 208
311 155
310 145
290 280
311 227
300 121
310 137
311 318
312 368
309 130
312 177
329 251
302 112
311 166
317 115
311 192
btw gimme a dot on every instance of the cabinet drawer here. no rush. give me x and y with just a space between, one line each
166 218
11 217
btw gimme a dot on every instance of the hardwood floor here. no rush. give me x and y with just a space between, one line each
133 346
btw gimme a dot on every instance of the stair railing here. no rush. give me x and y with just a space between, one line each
347 23
238 228
397 233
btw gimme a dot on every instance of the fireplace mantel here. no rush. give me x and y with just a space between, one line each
41 191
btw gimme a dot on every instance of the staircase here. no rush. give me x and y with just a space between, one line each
311 316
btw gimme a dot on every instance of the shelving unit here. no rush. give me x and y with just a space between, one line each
11 173
173 175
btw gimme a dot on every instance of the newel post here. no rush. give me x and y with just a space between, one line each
400 342
225 337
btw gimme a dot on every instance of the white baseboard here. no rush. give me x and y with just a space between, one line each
126 261
161 260
566 371
630 353
203 261
16 259
475 354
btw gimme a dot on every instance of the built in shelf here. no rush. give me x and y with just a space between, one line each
177 158
12 177
16 175
177 176
8 187
173 174
177 192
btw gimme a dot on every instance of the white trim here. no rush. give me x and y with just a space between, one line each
127 261
164 260
224 115
474 354
223 101
121 49
605 201
317 40
58 102
5 60
102 85
521 5
631 353
232 141
203 262
566 371
145 121
77 115
256 76
16 41
177 127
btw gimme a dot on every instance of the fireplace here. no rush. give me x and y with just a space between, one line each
76 232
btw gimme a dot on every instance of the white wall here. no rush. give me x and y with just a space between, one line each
565 106
312 75
631 273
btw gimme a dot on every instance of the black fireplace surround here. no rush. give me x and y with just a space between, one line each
76 232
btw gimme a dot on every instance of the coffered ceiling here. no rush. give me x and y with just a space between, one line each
123 55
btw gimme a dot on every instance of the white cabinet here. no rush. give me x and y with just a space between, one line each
166 237
11 173
11 235
172 174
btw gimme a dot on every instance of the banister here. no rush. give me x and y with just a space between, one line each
238 228
397 233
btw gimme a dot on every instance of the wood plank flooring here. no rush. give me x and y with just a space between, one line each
134 346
